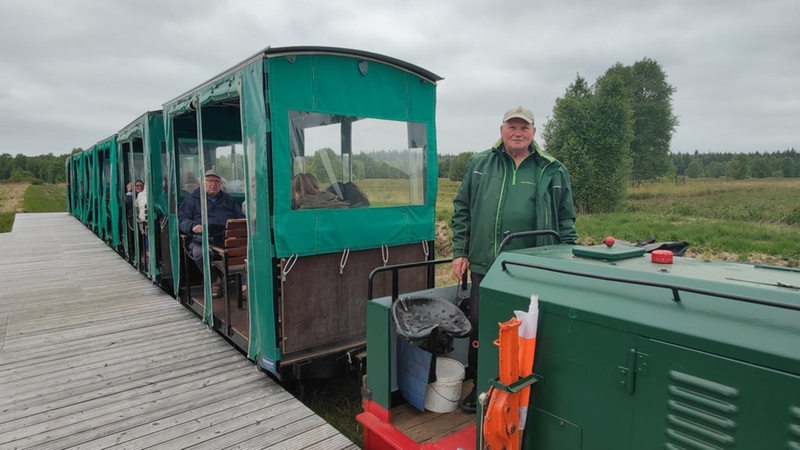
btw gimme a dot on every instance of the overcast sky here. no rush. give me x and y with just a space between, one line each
73 72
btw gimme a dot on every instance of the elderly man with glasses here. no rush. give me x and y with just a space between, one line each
220 207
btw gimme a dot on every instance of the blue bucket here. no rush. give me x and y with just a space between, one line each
413 372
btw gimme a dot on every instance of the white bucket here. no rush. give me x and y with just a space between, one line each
444 394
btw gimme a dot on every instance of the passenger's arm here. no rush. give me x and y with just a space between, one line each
186 216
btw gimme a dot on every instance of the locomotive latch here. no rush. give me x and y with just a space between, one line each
637 365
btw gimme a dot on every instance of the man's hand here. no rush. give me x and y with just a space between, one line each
197 229
460 266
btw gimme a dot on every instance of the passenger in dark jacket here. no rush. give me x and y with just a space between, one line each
514 186
220 207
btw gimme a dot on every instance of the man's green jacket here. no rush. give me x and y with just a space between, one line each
492 200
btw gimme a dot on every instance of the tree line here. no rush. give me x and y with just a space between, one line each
737 166
378 164
38 169
610 134
780 164
616 132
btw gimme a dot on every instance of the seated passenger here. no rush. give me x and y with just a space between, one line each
141 204
220 207
141 217
306 194
349 193
130 197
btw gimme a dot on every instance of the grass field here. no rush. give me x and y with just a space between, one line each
45 198
755 220
11 195
26 197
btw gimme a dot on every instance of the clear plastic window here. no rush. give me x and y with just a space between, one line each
226 158
351 162
189 164
229 162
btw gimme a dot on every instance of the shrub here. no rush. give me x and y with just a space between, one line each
793 218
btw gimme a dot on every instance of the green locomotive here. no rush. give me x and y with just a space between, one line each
632 352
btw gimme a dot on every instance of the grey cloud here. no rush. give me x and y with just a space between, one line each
73 72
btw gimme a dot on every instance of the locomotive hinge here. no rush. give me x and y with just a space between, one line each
636 366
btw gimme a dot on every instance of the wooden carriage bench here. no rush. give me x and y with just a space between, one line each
232 261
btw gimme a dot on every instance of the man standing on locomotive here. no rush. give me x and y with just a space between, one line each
220 208
514 186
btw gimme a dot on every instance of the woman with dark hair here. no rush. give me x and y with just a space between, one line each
306 194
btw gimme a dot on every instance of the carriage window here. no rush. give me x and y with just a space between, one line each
136 165
351 162
189 165
228 161
227 158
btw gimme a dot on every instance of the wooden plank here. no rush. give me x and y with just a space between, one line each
246 425
427 426
156 429
70 371
86 388
93 355
317 437
110 412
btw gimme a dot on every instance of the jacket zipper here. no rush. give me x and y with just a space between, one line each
499 208
548 210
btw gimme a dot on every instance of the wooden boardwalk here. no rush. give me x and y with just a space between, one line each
94 356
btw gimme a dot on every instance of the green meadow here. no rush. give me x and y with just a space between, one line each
753 220
30 198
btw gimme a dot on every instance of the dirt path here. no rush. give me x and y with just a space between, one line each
11 195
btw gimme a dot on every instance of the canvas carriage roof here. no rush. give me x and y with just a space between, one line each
271 52
106 142
134 128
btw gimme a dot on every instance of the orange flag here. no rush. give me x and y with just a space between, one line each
527 349
500 423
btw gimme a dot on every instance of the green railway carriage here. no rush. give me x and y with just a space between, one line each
143 156
97 179
92 178
361 124
350 118
103 191
76 186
